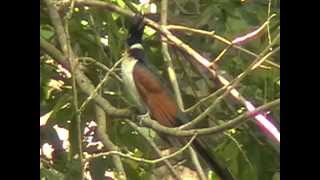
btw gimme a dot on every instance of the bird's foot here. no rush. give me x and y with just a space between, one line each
142 117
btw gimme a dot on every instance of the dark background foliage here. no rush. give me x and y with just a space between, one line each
247 152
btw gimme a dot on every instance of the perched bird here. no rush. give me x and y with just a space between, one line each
150 95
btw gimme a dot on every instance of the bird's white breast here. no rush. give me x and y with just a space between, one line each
127 66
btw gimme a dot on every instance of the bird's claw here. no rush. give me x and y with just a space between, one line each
142 117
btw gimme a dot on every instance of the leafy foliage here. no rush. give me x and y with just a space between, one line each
101 35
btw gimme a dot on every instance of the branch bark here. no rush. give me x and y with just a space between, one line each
84 82
155 147
101 132
211 130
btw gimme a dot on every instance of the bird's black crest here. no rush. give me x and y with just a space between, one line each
136 30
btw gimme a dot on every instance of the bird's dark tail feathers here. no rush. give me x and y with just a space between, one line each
212 161
203 151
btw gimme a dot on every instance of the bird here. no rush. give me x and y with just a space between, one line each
152 97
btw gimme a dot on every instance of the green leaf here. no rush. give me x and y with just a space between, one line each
50 174
46 34
62 102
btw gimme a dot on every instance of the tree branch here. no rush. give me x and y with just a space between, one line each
57 23
94 93
99 64
64 40
149 161
196 162
85 83
210 130
54 53
101 132
212 35
231 85
154 146
167 58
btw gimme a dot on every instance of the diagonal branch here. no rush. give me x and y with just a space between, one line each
54 53
211 130
101 132
85 83
231 85
94 93
149 161
101 65
57 23
154 146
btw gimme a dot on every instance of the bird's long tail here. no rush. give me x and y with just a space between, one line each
212 161
202 150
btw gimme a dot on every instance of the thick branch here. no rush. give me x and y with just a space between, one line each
57 23
212 34
149 161
211 130
54 53
196 163
101 131
85 83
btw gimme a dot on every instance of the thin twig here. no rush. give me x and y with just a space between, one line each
225 50
211 130
167 58
212 34
87 87
268 25
131 7
240 149
102 66
196 163
95 91
252 35
154 146
97 38
231 85
175 85
201 101
109 145
261 58
73 63
84 82
149 161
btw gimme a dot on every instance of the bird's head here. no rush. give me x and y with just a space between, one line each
136 30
